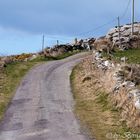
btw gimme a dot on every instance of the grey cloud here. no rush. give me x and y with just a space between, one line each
58 16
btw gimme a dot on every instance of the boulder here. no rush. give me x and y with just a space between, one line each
135 93
124 59
98 55
32 57
6 60
126 33
128 84
2 64
137 104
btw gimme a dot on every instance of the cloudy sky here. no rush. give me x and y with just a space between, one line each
23 22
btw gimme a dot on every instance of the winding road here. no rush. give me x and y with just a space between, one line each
42 108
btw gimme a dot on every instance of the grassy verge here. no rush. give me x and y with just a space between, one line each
133 56
66 55
95 111
11 76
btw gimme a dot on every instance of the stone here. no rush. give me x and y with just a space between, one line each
135 93
112 31
2 64
128 84
120 79
107 63
98 55
32 57
116 88
6 60
26 59
124 59
137 104
125 35
115 34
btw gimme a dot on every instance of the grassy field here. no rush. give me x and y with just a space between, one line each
133 55
94 109
11 76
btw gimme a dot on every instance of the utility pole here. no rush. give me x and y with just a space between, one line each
43 43
133 16
138 38
119 33
57 42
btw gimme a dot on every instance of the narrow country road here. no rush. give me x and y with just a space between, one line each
42 108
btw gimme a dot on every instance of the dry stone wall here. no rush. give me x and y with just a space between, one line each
126 39
121 83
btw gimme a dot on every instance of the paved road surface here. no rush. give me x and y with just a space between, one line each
42 108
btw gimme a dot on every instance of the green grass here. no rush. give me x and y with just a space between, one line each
13 74
102 99
133 55
59 57
66 55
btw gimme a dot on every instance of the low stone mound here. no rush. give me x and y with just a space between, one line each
126 39
16 58
83 44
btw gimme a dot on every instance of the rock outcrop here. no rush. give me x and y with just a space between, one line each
126 40
83 44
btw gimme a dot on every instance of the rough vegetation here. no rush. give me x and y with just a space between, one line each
111 79
121 82
93 107
132 56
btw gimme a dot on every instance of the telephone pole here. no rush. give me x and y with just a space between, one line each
119 33
57 42
133 15
43 38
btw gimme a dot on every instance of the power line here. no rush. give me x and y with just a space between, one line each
119 34
103 25
126 10
97 28
112 21
43 39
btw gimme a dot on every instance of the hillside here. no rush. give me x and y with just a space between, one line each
106 86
